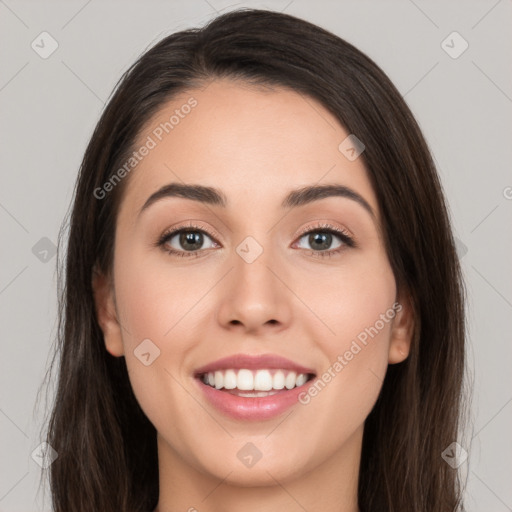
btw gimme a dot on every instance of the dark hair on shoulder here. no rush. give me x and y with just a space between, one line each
107 453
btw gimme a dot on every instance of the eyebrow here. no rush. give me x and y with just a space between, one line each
295 198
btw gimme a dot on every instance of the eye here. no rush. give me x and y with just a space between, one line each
321 237
186 241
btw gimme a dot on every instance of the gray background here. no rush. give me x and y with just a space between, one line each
50 106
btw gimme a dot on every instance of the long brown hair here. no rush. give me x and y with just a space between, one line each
107 454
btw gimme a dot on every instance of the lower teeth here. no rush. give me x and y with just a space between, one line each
249 394
252 394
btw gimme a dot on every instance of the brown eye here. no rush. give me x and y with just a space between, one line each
186 241
321 239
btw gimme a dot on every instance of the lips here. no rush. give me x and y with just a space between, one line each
248 387
240 361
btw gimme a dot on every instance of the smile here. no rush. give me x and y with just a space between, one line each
263 382
252 387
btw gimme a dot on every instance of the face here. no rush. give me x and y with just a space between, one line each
306 284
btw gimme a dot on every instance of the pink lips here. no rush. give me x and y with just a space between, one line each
252 408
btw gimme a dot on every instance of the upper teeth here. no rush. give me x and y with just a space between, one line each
259 380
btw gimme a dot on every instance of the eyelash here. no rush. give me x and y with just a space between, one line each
348 241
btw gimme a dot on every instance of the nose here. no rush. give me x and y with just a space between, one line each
254 296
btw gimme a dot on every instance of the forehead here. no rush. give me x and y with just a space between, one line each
254 143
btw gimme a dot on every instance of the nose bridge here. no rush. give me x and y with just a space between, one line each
252 277
254 296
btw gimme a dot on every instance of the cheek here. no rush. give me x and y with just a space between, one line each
351 301
355 305
154 297
156 304
364 312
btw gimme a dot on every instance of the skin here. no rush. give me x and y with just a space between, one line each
255 145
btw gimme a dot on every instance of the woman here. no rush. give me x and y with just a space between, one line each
262 307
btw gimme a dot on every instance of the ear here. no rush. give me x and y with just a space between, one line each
402 329
106 313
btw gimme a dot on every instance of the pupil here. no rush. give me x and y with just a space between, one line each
318 238
195 240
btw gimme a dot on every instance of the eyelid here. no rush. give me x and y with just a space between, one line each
300 233
190 225
323 225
